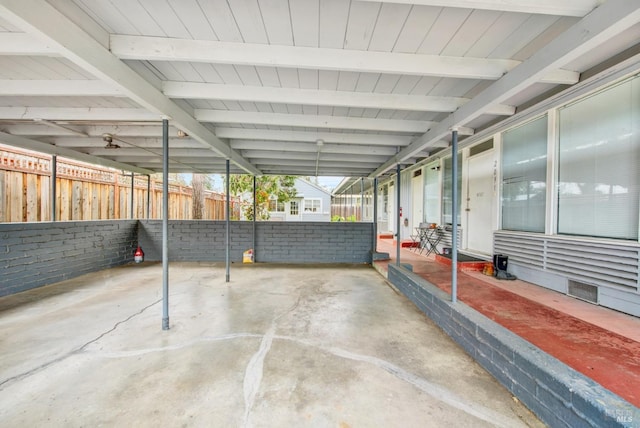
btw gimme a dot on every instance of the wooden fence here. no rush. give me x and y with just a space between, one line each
85 192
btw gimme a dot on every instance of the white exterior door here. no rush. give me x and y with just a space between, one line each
391 209
480 202
432 194
417 202
292 210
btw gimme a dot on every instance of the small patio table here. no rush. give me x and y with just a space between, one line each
429 236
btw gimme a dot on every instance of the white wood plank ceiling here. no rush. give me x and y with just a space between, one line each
305 87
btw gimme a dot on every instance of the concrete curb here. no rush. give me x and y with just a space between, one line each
556 393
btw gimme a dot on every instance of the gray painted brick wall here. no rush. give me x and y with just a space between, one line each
37 254
557 394
276 242
194 240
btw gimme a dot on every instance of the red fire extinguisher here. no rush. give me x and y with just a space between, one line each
138 255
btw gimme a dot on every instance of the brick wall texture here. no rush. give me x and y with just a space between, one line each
276 242
557 394
37 254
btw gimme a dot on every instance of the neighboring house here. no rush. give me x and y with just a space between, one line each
312 203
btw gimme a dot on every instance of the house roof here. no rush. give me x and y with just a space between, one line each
313 87
314 185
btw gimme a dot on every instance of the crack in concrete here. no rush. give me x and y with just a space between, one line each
253 374
43 366
436 391
139 352
116 325
254 371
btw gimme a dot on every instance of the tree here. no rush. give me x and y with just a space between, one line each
268 187
198 185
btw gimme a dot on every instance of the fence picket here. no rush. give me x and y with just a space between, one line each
88 193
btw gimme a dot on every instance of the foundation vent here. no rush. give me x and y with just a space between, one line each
601 262
583 291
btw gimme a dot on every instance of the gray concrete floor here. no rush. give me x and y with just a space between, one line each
278 346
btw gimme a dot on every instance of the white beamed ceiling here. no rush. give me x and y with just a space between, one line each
304 87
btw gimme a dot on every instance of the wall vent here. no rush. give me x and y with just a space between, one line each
583 291
602 263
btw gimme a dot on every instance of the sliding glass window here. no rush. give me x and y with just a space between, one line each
524 177
432 193
599 158
447 190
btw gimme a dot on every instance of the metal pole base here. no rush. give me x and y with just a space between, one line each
228 277
165 323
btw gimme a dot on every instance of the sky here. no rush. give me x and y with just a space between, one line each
329 182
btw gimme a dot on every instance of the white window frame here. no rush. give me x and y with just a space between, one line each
293 204
309 210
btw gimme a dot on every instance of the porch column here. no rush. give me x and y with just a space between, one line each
228 225
398 215
148 196
361 199
375 214
454 215
255 216
133 180
54 177
165 224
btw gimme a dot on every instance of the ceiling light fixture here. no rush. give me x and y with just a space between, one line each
108 138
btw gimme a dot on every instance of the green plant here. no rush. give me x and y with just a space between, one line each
282 187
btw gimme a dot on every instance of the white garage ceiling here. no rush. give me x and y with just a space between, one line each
303 87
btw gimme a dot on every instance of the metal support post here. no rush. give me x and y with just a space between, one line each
255 217
454 216
228 224
133 180
375 214
54 178
361 199
148 196
165 224
398 215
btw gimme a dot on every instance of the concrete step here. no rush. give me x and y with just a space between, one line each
469 266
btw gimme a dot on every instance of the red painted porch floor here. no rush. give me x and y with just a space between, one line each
600 343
